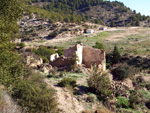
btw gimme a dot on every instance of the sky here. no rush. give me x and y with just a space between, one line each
142 6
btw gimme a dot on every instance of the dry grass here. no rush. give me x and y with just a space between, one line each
134 40
102 110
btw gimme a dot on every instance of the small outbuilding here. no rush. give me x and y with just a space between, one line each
90 31
103 28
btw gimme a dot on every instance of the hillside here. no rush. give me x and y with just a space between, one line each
54 60
97 11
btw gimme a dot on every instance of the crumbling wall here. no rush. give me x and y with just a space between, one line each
79 53
54 57
85 55
70 51
75 50
62 62
94 56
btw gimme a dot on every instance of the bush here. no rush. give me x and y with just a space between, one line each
53 72
65 82
12 68
99 45
122 102
35 96
133 99
60 50
45 59
148 86
116 57
100 85
54 34
121 72
22 45
78 42
44 53
140 81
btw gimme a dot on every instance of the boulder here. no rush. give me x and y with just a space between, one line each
46 68
32 60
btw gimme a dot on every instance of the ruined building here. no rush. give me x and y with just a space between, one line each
86 56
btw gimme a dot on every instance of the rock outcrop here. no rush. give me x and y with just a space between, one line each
45 68
32 60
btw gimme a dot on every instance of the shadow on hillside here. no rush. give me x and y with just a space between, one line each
142 63
49 38
82 90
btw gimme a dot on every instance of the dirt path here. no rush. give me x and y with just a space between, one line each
113 37
67 103
69 37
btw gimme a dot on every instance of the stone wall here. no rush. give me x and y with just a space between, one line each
62 62
94 56
54 57
70 51
75 50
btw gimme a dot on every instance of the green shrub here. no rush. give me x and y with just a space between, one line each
121 72
44 53
33 95
133 99
22 45
145 94
74 62
78 42
116 57
140 81
12 68
45 59
148 86
60 50
53 72
122 102
98 45
54 34
100 85
65 82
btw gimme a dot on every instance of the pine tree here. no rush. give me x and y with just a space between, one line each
112 24
116 57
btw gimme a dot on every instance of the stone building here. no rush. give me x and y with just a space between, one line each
103 28
86 56
90 31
